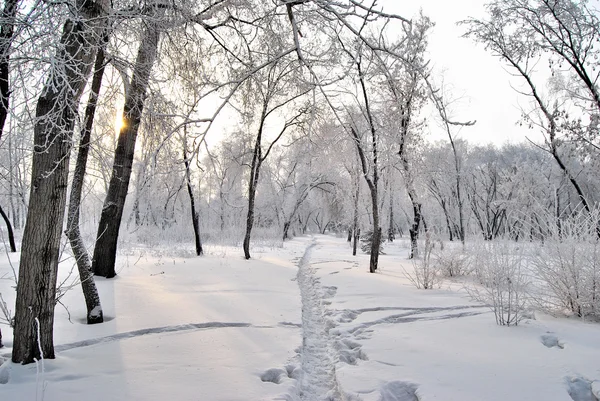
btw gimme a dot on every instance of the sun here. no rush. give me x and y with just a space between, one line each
119 122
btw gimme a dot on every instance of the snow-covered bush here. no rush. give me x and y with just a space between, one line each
502 280
568 267
425 273
452 262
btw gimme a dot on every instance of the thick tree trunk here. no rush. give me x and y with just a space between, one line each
55 115
84 266
195 219
11 235
105 251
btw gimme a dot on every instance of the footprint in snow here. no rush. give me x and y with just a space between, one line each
349 351
582 389
551 341
329 292
399 391
273 375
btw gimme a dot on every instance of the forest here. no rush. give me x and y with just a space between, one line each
248 124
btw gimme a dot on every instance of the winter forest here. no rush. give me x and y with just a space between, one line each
243 200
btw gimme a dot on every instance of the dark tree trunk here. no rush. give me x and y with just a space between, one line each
105 251
11 235
55 115
6 33
195 219
84 266
355 229
414 229
7 30
391 234
254 174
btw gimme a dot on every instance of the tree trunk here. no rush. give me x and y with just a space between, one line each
355 229
390 234
55 115
11 235
105 251
7 30
188 181
6 33
254 174
84 266
414 229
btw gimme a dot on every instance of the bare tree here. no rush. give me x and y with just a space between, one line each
84 266
276 83
105 251
55 116
520 32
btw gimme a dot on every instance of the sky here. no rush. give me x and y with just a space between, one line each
477 78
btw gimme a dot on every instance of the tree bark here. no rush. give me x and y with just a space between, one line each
84 266
105 251
55 115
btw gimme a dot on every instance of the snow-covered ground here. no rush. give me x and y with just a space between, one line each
302 322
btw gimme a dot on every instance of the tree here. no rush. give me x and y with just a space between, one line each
372 177
105 251
270 102
84 266
55 116
523 33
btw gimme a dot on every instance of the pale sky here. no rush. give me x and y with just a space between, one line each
474 75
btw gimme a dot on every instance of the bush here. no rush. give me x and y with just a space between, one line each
498 268
425 274
452 262
568 266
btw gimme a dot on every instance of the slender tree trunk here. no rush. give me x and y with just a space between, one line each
55 115
253 182
11 235
6 33
7 30
84 266
390 234
195 219
105 251
355 229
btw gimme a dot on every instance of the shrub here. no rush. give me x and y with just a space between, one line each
425 274
503 282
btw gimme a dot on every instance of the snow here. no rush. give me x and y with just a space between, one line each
302 322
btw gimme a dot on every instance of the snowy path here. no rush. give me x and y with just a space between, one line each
318 380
